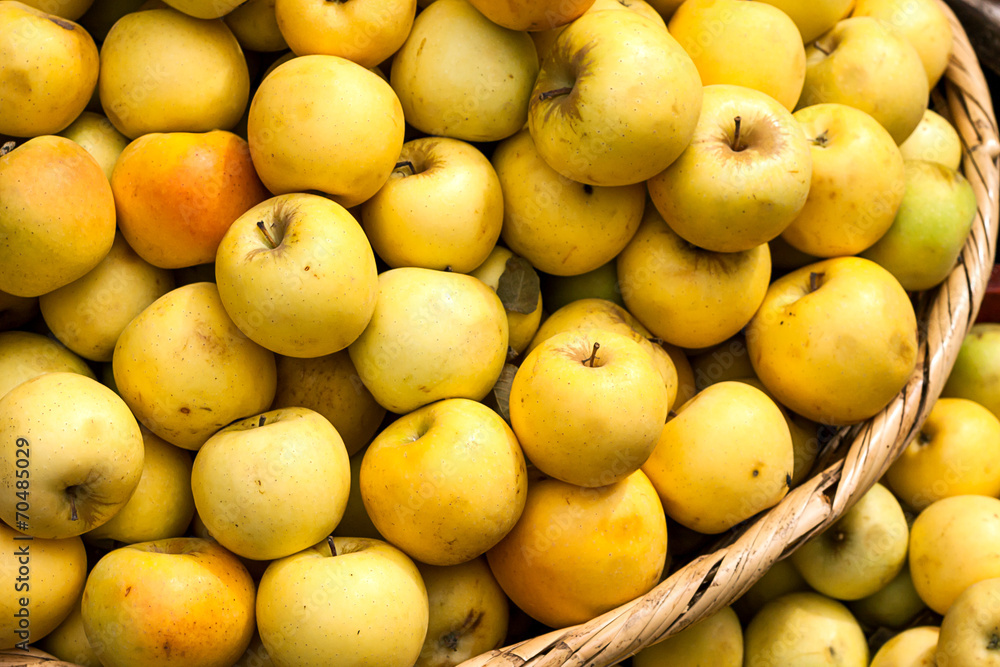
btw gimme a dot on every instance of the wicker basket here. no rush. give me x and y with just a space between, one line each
857 456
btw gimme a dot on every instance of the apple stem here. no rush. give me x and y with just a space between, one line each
261 421
72 509
736 134
555 93
403 164
822 139
333 547
814 279
821 49
267 235
7 147
593 355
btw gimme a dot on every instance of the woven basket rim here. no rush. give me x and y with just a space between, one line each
862 453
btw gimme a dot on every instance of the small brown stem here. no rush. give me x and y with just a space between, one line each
72 509
589 361
736 134
555 93
821 139
402 164
7 147
333 547
821 49
814 279
267 235
261 421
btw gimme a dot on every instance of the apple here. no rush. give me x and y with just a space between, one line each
161 505
204 84
445 482
840 68
288 137
25 355
686 387
531 14
441 208
49 71
515 281
814 18
780 578
578 552
68 641
935 139
330 386
685 295
923 23
186 370
364 31
895 605
356 522
732 422
43 579
251 476
588 406
486 99
716 639
561 226
969 632
88 314
96 133
82 452
861 552
57 221
297 275
954 542
912 647
745 176
729 360
930 228
862 334
544 39
433 335
976 372
66 9
16 311
468 616
586 119
851 202
154 603
599 283
255 26
178 192
747 44
203 9
345 601
803 628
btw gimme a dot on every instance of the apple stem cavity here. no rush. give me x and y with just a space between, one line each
267 235
333 547
566 90
7 147
72 509
821 139
589 361
403 164
814 280
736 135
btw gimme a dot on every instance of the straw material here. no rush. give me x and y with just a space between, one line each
859 455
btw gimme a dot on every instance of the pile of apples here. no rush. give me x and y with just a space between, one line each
386 333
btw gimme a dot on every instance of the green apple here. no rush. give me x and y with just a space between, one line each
441 208
716 639
297 275
970 629
156 603
861 552
250 477
600 283
935 139
744 177
25 355
913 647
445 482
82 452
585 116
930 228
95 132
976 373
865 63
345 601
433 335
588 406
894 605
486 99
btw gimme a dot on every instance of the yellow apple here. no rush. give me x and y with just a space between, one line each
345 601
544 39
732 422
364 31
812 17
95 132
935 139
913 647
58 215
616 100
894 605
186 370
433 335
289 137
954 542
561 226
43 579
976 373
68 641
161 506
923 23
66 9
862 334
297 275
716 639
749 44
599 283
578 552
81 450
445 482
686 295
486 98
851 202
970 630
532 14
256 27
511 277
24 355
780 578
48 70
745 176
587 406
183 601
468 612
203 9
89 314
204 84
441 208
729 360
330 385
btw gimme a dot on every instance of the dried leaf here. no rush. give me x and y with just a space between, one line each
499 396
519 287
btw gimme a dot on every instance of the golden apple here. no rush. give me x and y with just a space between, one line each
203 9
935 139
66 9
716 639
544 39
814 17
68 641
25 355
256 27
923 23
894 605
532 14
503 267
780 578
913 647
970 630
95 132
